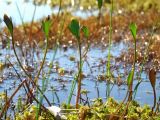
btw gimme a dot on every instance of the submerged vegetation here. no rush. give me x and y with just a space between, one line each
34 66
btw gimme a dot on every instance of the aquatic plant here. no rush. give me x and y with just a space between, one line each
46 25
103 111
146 54
9 25
108 66
133 29
91 112
74 28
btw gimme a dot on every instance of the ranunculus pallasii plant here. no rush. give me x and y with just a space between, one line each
75 29
133 29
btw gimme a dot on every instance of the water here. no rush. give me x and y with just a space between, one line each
27 11
91 69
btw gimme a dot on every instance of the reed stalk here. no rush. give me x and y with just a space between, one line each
108 65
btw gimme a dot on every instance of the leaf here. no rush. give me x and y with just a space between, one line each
100 2
46 26
133 29
152 77
74 28
85 31
8 23
130 77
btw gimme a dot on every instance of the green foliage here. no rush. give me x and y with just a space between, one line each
8 23
46 26
103 111
130 5
135 5
98 111
19 104
100 3
85 31
130 77
74 28
133 29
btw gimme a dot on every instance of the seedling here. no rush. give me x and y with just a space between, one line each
46 27
133 29
108 66
9 25
146 53
75 28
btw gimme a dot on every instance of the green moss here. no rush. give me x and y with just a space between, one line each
97 111
131 5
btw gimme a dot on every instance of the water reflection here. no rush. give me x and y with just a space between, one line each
59 86
26 9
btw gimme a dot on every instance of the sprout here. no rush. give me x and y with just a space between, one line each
75 28
8 23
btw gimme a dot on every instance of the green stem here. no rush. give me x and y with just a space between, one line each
133 69
23 24
109 49
43 61
6 106
143 63
80 73
32 81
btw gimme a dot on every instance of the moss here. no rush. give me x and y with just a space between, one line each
97 111
100 111
127 4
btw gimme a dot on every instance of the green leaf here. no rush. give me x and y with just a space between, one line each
85 31
130 77
74 28
133 29
8 23
100 2
46 25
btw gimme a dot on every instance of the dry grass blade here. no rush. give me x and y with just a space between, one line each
152 78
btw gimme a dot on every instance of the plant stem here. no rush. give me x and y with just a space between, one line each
80 73
133 69
143 63
154 105
40 69
109 50
17 75
7 104
32 81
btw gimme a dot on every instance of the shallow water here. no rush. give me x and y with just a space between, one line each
91 69
27 11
